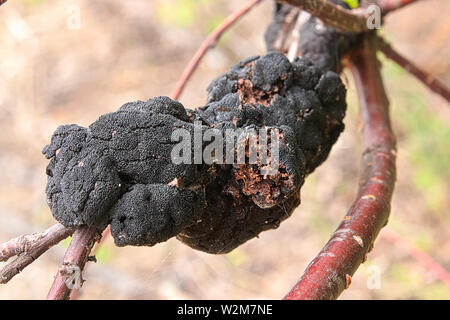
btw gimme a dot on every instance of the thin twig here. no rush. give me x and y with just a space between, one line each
287 28
105 234
208 44
426 78
294 47
388 6
29 248
331 271
333 15
427 261
23 243
69 275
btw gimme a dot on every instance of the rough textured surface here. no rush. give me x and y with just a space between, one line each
119 169
306 105
323 46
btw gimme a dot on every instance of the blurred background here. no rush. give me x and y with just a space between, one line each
71 61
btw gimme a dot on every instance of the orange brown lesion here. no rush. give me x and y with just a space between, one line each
250 95
265 190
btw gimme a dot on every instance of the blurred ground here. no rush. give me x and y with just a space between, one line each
52 73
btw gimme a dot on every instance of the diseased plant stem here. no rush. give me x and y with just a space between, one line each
427 79
388 6
333 15
28 248
210 42
105 234
73 263
331 271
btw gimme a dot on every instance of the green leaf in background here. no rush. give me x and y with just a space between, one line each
105 253
352 3
65 243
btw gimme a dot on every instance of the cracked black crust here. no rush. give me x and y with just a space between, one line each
308 107
309 102
119 171
94 171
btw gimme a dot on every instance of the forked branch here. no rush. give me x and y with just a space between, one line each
28 248
333 15
331 271
24 243
69 275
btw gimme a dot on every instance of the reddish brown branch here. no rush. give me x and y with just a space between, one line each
387 6
333 15
427 79
2 2
69 275
427 261
105 234
29 248
331 271
210 42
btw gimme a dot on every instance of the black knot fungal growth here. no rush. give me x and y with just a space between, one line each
294 97
121 169
305 105
324 46
118 171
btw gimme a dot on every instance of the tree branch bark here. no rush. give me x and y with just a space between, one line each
70 272
28 248
24 243
331 271
333 15
426 78
105 234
